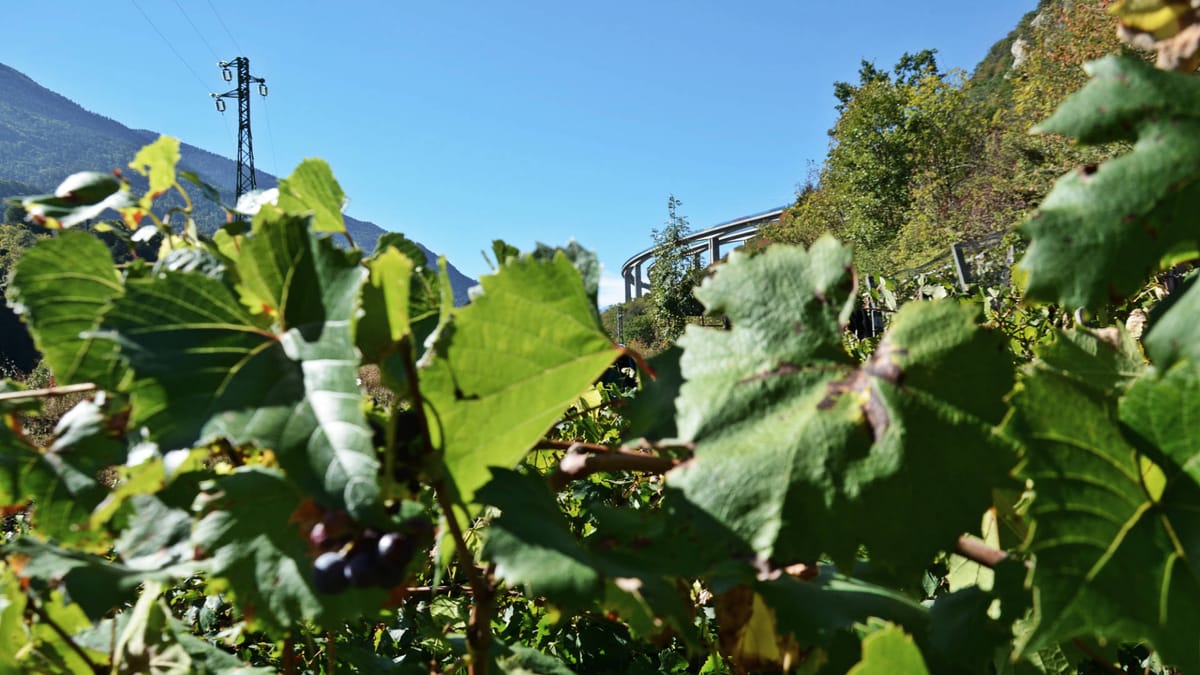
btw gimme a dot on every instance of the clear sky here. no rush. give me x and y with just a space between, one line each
461 121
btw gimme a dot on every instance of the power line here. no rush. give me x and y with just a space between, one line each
169 45
198 33
270 138
222 22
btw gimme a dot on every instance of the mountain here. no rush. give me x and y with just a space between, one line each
45 137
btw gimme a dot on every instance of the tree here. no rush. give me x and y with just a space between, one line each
672 276
903 142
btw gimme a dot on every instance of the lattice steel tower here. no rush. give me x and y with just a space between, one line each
245 160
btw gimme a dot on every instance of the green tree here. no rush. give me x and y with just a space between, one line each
631 323
672 276
903 142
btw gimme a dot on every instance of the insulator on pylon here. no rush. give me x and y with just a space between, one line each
220 105
228 76
262 88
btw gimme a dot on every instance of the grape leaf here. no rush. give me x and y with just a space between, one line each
652 414
62 287
61 481
749 633
249 543
519 660
1172 335
532 545
889 651
157 161
1093 360
206 370
622 568
798 451
80 198
14 634
509 365
312 188
1101 230
1114 534
385 301
813 611
1163 410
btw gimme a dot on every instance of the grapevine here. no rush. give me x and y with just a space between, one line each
983 490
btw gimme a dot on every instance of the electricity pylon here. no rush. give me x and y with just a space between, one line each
245 160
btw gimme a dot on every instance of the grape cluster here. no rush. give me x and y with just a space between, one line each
364 559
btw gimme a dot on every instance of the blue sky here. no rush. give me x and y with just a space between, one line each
462 121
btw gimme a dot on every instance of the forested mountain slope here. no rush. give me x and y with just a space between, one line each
921 157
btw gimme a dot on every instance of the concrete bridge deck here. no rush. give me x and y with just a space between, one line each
706 243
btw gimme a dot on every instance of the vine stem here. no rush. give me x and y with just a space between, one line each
577 466
42 615
483 592
48 392
578 446
979 552
479 628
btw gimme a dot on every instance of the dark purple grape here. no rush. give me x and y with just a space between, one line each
396 549
362 568
319 536
329 573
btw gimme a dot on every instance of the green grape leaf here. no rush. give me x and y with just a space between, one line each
53 647
153 547
62 288
14 634
206 370
798 451
509 365
889 651
157 161
312 188
582 258
1107 363
652 414
80 198
962 633
623 568
385 322
210 193
96 584
1163 411
1172 335
61 481
813 611
249 543
518 660
1113 534
532 545
749 633
1101 230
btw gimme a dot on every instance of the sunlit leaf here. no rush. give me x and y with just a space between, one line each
1103 228
62 288
510 363
798 451
312 188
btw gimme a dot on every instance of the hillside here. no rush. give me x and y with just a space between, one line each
922 157
45 137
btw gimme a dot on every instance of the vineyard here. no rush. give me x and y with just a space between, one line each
282 455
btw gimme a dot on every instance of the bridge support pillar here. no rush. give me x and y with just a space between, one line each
714 250
628 287
639 287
